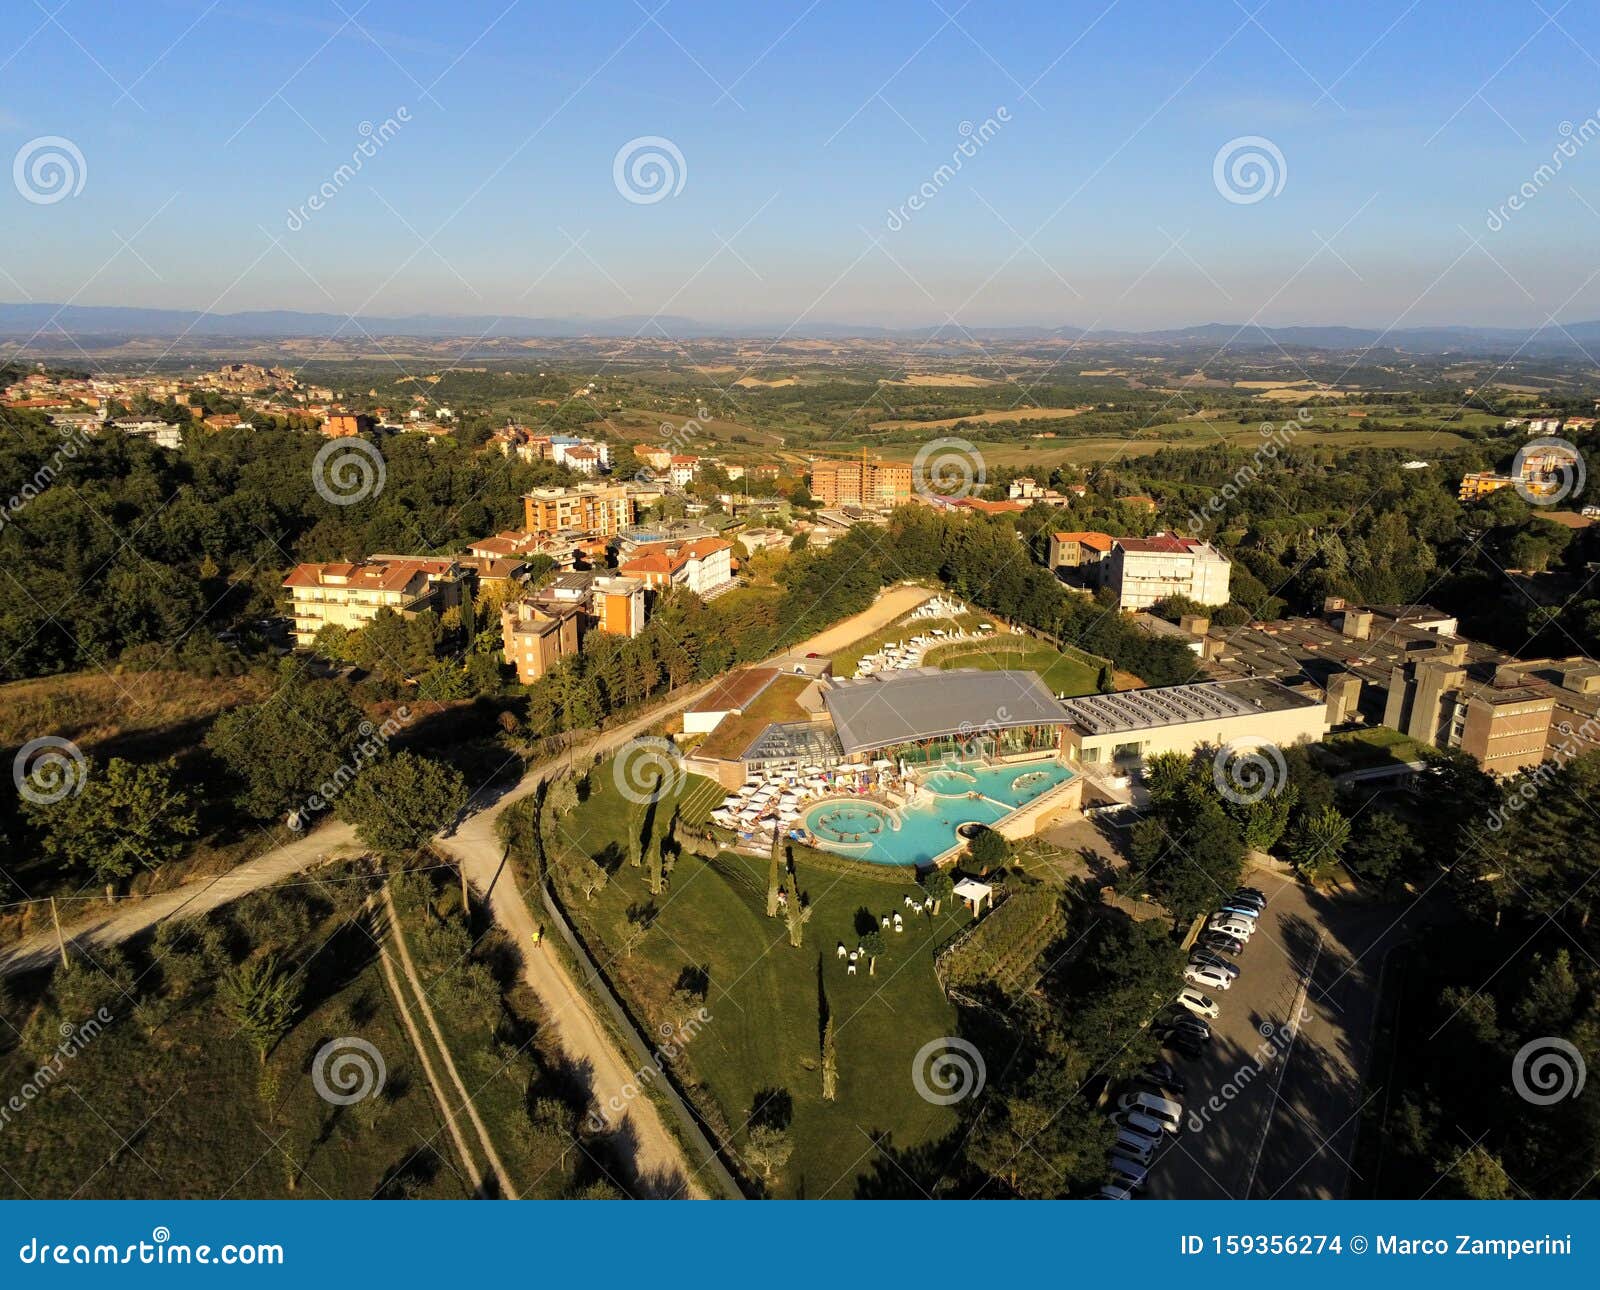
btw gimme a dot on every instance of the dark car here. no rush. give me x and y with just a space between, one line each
1251 894
1222 943
1206 958
1183 1044
1160 1076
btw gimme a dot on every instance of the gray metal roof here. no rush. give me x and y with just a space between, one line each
926 703
1175 705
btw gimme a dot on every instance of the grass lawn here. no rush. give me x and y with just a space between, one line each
1379 746
765 998
1063 673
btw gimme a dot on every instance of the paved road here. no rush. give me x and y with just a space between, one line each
1289 1051
657 1159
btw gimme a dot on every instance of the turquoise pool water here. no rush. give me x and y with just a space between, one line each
866 830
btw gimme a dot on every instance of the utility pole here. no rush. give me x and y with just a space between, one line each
61 942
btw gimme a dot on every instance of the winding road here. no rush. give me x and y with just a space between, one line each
658 1160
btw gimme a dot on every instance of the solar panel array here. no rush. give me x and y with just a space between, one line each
1100 714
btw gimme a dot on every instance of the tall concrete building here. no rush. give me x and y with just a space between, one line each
860 483
605 509
1143 571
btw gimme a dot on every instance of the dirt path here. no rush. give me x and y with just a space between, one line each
110 924
894 603
397 992
658 1159
507 1188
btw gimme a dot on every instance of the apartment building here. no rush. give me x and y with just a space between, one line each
703 566
1143 571
540 628
653 455
536 636
350 594
1079 548
342 425
605 509
860 483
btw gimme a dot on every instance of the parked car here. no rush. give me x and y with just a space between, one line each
1199 1004
1189 1024
1166 1075
1237 909
1253 893
1184 1043
1222 942
1205 958
1112 1192
1213 978
1139 1122
1176 1084
1240 928
1127 1173
1164 1110
1136 1146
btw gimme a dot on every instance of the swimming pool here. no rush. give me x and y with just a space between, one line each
951 796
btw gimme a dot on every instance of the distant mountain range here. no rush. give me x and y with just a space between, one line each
117 321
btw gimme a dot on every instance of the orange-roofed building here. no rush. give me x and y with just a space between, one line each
986 507
349 594
342 425
1076 549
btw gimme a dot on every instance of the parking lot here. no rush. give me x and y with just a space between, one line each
1273 1101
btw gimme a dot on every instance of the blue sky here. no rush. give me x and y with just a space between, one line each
1401 127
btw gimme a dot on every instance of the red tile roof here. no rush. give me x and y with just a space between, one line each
1094 541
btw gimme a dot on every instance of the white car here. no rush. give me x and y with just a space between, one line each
1229 926
1163 1110
1136 1146
1128 1173
1139 1122
1211 977
1197 1003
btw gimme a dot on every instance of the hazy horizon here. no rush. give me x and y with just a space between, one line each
1123 166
